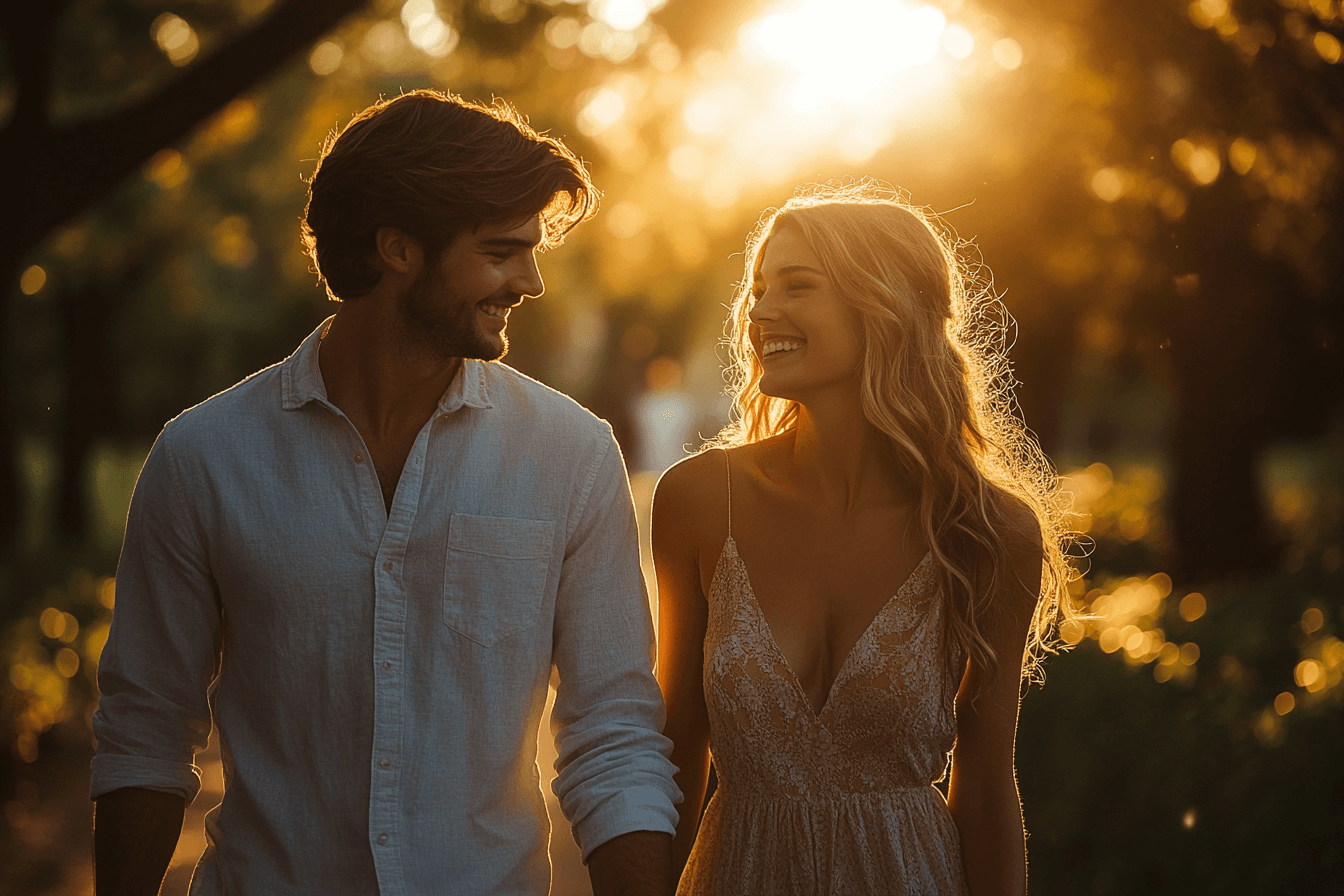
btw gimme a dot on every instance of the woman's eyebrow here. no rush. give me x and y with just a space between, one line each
798 268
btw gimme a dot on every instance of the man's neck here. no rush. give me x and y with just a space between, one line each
369 374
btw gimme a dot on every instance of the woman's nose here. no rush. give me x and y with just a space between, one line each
762 309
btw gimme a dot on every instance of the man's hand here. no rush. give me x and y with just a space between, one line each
634 864
134 834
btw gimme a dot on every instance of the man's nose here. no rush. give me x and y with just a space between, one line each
528 281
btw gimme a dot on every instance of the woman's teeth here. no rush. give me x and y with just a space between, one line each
771 348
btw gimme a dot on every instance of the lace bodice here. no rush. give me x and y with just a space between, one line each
888 722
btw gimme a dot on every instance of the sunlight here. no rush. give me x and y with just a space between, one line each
842 47
623 15
807 80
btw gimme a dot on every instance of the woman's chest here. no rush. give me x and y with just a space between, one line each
820 584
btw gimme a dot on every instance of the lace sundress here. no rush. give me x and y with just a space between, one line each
837 802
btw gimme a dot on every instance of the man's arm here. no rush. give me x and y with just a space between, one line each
615 780
134 834
154 673
638 862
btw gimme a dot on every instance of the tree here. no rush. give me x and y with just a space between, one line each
51 171
1221 166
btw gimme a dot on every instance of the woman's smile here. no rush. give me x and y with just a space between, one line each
779 347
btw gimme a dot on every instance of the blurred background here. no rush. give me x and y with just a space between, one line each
1156 185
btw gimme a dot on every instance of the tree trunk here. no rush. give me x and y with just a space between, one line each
1224 345
9 479
90 396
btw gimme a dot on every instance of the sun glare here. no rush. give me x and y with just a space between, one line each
807 80
844 47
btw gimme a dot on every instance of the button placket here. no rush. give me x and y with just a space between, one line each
390 700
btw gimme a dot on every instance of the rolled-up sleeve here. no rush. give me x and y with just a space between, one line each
614 775
162 651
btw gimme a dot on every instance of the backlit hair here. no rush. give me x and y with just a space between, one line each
434 165
935 378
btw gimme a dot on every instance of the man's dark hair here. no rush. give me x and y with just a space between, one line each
434 165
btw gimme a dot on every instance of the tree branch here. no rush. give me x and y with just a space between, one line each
58 172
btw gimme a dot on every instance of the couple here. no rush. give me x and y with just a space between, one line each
364 563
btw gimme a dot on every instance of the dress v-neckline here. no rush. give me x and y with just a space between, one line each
815 713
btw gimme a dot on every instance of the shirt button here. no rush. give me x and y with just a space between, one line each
387 565
359 458
387 664
384 763
382 839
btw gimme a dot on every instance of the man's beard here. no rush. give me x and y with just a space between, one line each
439 322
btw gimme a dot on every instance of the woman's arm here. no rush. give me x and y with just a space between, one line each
983 794
682 616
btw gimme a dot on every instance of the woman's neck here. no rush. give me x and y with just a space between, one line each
842 458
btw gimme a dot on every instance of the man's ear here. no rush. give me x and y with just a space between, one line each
397 251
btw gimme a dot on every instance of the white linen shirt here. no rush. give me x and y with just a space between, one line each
378 678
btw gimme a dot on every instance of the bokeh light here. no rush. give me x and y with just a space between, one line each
1192 606
1200 162
32 280
326 57
426 29
176 38
1007 53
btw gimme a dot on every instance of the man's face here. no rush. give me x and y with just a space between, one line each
459 305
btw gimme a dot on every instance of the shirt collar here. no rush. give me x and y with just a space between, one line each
301 379
468 388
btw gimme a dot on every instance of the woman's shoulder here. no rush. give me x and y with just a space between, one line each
1020 535
694 482
1021 530
690 505
705 474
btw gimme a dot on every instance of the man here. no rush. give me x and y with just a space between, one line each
364 562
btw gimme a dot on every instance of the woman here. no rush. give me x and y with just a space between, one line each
859 578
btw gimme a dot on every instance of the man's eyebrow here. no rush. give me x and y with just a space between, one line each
509 242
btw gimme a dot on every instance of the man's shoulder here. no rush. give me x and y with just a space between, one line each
517 392
229 413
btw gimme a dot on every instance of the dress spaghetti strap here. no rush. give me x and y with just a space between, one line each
729 468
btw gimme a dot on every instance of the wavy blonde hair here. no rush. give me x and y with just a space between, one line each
936 380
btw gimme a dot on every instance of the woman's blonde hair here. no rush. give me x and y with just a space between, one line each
936 380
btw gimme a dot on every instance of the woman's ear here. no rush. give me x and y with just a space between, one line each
397 251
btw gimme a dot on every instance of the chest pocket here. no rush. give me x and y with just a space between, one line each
494 575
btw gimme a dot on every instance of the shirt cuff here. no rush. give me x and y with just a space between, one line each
111 772
644 808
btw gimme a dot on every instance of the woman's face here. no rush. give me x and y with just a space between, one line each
806 338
